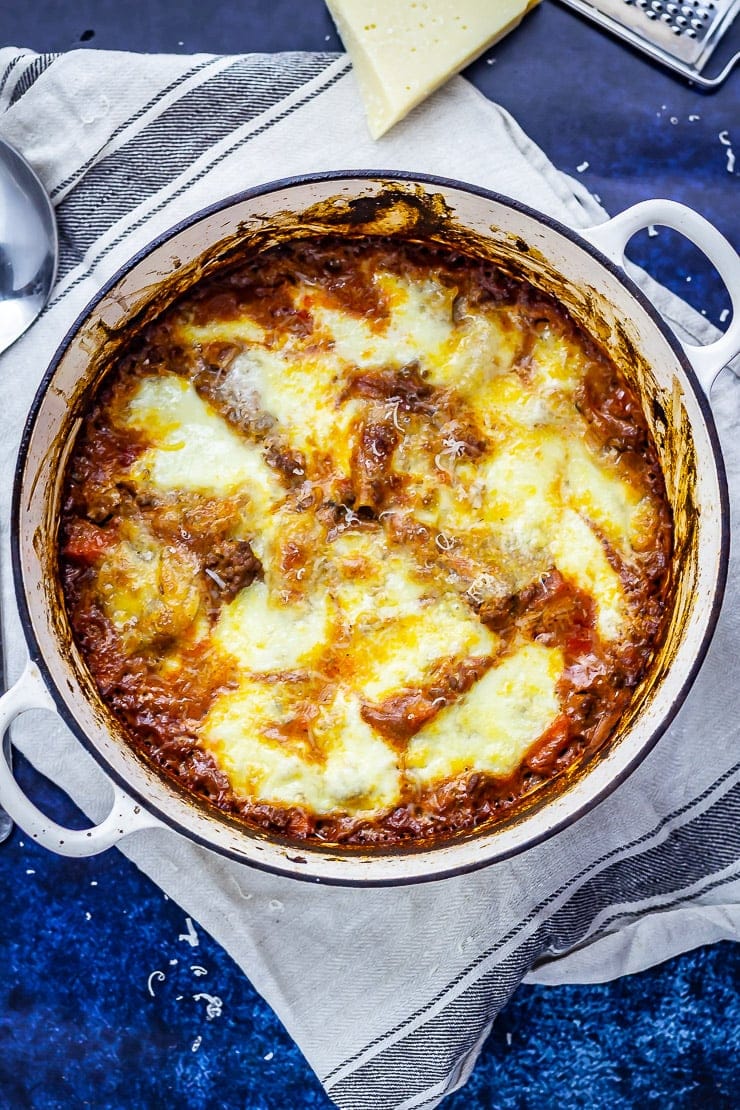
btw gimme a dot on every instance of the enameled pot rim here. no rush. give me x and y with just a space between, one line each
404 177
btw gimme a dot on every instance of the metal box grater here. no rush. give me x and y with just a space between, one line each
682 34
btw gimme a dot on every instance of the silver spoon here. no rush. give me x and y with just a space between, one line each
28 264
28 246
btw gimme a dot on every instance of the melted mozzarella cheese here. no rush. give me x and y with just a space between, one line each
495 724
194 448
538 497
402 651
419 326
475 353
579 555
361 770
523 490
241 329
302 393
346 768
556 363
263 634
149 592
372 582
601 496
508 406
396 626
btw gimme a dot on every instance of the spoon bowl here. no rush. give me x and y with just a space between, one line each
28 265
28 246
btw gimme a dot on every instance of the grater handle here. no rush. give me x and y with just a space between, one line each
613 236
125 816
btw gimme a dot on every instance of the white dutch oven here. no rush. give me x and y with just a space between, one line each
584 270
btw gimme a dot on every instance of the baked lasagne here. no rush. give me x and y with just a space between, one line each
364 541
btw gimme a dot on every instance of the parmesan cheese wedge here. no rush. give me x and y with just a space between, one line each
402 50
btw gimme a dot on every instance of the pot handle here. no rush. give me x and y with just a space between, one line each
125 817
613 236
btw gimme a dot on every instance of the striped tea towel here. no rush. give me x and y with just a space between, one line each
391 992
